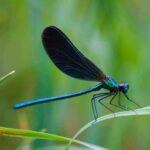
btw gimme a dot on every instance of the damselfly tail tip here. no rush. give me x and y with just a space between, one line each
17 106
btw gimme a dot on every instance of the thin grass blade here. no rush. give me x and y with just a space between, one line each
140 111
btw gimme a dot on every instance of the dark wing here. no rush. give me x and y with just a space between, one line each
67 57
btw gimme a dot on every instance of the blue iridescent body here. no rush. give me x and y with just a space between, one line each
113 86
72 62
108 83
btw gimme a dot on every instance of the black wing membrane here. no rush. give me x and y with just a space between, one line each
67 57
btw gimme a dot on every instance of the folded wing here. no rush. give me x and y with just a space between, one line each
67 57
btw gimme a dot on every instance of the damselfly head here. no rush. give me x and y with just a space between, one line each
124 87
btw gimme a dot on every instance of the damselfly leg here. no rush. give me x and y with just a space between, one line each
131 100
93 101
101 99
119 102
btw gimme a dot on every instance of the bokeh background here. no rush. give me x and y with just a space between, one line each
114 34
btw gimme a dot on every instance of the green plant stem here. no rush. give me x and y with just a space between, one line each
6 76
140 111
20 133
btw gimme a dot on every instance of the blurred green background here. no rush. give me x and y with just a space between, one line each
114 34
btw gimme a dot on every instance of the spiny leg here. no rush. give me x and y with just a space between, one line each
131 100
119 104
93 101
94 108
105 105
100 94
111 100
